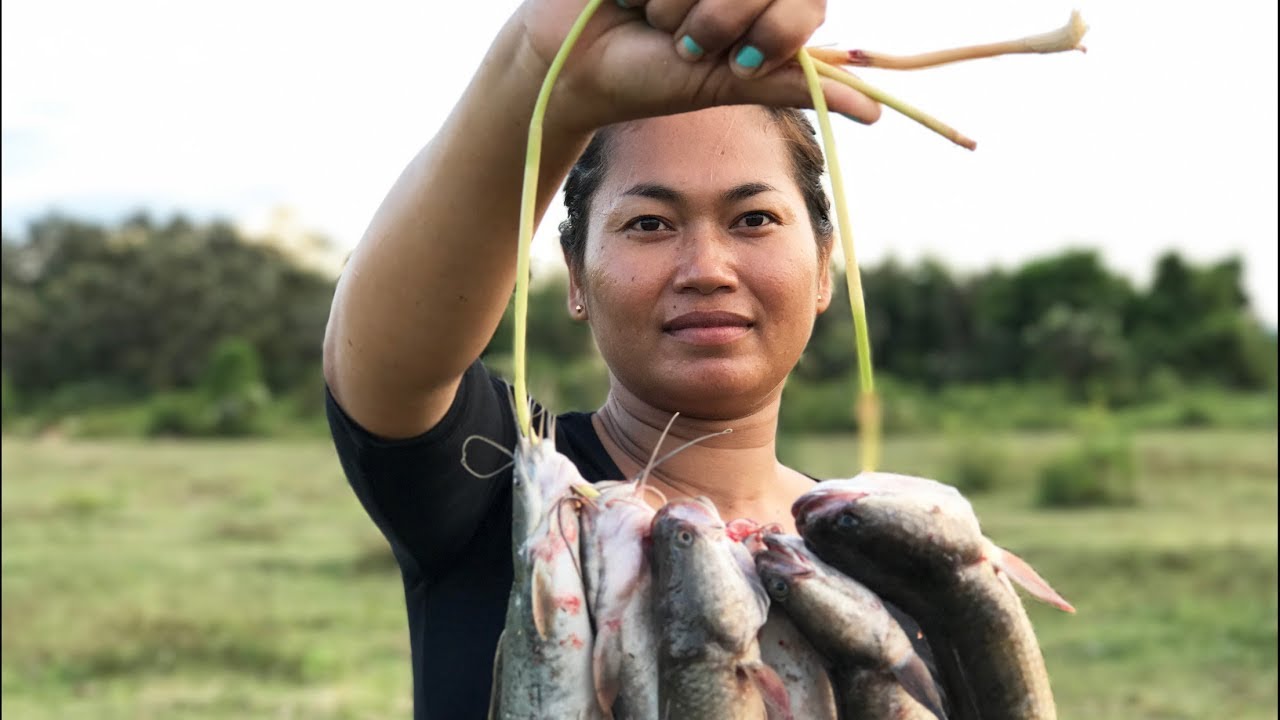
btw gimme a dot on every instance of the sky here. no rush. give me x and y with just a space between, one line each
1162 137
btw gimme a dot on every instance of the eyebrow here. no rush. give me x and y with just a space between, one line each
666 194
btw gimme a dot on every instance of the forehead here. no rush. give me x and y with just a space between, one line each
713 148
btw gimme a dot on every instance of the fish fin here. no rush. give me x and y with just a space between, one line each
495 690
777 703
1023 574
606 667
541 599
912 674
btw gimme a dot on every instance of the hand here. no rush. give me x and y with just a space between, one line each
636 62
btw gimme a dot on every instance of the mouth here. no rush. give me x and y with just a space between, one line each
708 327
783 561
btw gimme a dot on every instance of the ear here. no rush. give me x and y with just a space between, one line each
825 285
575 298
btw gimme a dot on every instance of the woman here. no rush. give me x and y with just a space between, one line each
697 246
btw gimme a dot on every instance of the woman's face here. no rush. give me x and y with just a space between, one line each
701 275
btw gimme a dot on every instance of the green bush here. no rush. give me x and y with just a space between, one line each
817 406
176 415
233 390
975 464
8 400
1100 471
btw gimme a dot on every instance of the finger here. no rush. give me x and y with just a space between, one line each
775 36
712 26
667 15
787 87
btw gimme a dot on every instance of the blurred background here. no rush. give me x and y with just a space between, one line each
1075 324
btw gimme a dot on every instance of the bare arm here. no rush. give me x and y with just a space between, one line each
425 289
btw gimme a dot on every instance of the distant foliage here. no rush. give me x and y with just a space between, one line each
140 314
233 389
141 306
1099 471
976 464
8 399
1064 319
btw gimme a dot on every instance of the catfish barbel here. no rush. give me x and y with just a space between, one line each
918 544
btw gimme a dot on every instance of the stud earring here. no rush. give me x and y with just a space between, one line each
577 309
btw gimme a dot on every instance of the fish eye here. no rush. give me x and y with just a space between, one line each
778 588
848 521
684 538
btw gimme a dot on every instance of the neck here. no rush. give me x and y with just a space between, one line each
738 471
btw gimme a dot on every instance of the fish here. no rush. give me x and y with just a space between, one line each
710 607
917 543
619 586
802 670
873 666
542 668
783 647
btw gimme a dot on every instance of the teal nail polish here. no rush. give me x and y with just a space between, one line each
851 117
623 4
749 57
690 46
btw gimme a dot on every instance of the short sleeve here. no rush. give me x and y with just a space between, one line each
417 490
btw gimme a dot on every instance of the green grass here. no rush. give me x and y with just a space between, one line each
242 579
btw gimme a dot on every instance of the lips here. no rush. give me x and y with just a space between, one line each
706 319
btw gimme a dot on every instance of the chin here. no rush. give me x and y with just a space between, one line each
715 395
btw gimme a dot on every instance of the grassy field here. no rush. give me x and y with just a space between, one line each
230 580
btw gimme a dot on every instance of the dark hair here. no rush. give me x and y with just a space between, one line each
584 180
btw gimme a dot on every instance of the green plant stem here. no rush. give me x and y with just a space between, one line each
888 100
868 408
528 208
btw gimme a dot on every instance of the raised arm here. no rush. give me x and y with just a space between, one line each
427 285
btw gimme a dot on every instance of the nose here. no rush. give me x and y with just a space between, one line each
706 262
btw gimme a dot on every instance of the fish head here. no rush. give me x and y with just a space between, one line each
908 530
541 477
781 564
683 527
706 587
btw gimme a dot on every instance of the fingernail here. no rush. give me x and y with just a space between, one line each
851 117
623 4
749 57
692 49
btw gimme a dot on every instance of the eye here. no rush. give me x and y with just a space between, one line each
648 223
848 521
777 588
684 538
756 219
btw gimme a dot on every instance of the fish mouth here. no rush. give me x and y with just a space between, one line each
699 512
818 504
782 560
741 529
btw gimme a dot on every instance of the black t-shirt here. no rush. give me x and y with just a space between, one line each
450 531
